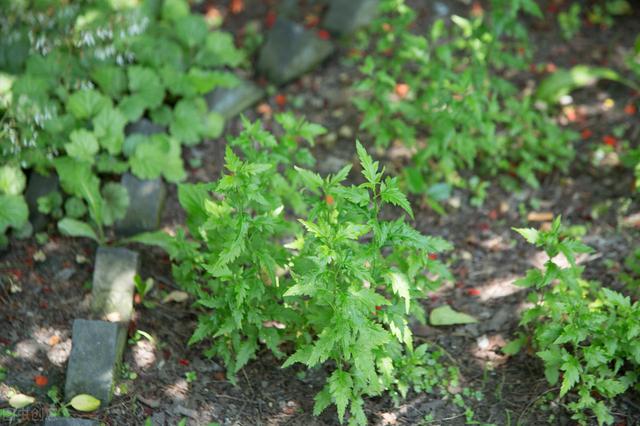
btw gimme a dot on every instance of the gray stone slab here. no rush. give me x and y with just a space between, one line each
96 352
346 16
39 186
69 421
230 102
147 198
290 50
113 285
144 127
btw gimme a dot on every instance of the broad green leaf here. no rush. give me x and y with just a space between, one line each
20 400
145 83
157 238
189 119
173 10
563 82
85 403
219 49
111 79
108 127
83 146
158 155
132 107
77 228
87 103
214 125
12 180
310 179
191 30
514 346
75 208
445 315
14 212
116 202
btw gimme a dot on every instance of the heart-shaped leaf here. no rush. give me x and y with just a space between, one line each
20 400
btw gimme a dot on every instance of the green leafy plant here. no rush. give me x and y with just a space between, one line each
285 258
586 335
570 21
87 70
469 117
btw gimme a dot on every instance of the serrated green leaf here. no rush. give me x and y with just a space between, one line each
390 193
218 50
340 385
400 286
322 401
571 369
369 167
529 234
111 79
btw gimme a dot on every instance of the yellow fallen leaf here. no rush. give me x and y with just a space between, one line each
84 402
20 400
175 296
540 216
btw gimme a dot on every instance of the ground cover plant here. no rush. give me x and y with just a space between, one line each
296 272
585 334
444 95
85 71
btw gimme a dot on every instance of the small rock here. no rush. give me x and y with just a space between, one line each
96 352
145 209
39 186
230 102
346 16
483 342
290 50
113 285
441 9
64 274
331 164
346 132
144 127
68 421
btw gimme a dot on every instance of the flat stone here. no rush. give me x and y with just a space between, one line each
145 209
346 16
230 102
39 186
290 51
113 285
96 352
144 127
68 421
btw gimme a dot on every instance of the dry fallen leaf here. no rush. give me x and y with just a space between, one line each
175 296
632 221
540 216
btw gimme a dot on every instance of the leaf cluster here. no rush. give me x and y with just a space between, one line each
92 68
587 335
319 277
468 118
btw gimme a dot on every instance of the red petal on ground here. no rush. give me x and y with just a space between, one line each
183 361
270 19
433 256
473 292
281 100
41 381
610 140
324 34
586 134
630 109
